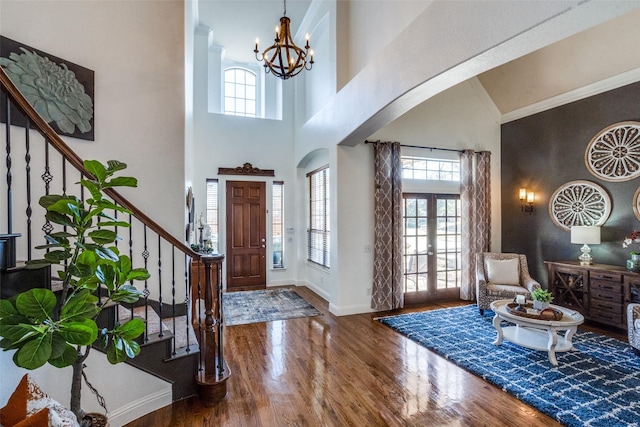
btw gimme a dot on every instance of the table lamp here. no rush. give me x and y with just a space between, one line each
585 235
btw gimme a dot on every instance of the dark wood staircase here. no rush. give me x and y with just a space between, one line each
196 367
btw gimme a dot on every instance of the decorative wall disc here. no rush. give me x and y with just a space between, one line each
579 203
614 153
636 203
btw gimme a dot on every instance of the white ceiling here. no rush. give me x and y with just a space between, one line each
583 59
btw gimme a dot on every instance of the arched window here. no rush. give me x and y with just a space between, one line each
239 92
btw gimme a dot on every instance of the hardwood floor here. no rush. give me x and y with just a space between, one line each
344 371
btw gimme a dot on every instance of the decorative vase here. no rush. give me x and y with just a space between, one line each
633 264
95 419
540 305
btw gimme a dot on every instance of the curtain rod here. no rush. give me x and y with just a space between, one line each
420 146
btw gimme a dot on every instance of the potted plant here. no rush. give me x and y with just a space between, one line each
541 298
60 329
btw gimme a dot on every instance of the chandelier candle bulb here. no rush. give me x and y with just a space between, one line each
287 59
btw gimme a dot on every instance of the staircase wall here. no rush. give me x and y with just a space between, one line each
129 392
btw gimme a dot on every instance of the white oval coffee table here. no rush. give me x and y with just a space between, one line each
536 334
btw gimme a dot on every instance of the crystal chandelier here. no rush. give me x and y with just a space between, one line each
284 59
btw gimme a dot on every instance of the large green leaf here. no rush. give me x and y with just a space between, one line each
103 237
37 303
131 329
48 200
57 256
38 263
107 204
138 274
17 332
115 165
82 305
93 188
7 308
96 168
58 344
126 293
122 348
58 218
106 274
66 206
80 333
34 353
122 181
67 358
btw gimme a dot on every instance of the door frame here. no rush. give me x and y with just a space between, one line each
228 237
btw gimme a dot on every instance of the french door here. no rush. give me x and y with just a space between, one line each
432 245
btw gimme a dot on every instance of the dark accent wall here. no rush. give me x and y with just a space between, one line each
546 150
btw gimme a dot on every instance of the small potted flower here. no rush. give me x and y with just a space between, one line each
541 298
633 264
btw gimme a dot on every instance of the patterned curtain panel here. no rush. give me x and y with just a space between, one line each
475 196
387 292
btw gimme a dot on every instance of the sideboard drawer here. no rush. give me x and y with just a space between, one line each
605 275
603 305
607 317
606 286
599 294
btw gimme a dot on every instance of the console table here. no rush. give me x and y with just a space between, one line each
600 292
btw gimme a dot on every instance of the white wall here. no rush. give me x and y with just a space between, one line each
230 141
137 51
463 117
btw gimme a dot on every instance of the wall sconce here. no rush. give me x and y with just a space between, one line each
526 200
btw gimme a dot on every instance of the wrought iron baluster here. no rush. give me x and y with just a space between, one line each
160 285
173 294
27 160
187 300
146 293
47 178
8 163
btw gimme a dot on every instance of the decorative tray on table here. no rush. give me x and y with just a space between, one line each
527 310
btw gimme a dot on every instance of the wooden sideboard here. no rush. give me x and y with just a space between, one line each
599 292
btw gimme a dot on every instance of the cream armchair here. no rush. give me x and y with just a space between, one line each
633 324
502 276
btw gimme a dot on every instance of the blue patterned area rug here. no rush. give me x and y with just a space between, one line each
598 384
241 308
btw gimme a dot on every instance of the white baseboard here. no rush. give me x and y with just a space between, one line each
318 291
140 407
350 309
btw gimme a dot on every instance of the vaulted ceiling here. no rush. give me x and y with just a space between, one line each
591 56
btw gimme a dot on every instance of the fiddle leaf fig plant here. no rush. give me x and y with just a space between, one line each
60 329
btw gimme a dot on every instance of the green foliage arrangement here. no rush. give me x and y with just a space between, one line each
60 329
542 295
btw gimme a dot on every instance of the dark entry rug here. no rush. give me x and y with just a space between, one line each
598 384
264 306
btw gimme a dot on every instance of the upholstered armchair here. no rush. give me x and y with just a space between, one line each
502 276
633 324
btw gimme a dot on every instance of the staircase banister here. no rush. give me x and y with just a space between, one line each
52 136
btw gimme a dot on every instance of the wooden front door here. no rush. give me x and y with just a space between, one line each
246 235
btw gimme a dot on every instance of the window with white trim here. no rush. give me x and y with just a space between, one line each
318 229
430 169
239 92
277 224
212 213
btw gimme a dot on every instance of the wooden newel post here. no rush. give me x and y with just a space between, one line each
214 372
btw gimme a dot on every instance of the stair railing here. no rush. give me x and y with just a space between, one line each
148 242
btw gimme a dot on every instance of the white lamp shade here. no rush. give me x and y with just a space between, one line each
585 234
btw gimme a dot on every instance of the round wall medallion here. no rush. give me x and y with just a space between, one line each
636 203
614 153
579 203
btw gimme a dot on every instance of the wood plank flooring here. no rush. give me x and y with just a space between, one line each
344 371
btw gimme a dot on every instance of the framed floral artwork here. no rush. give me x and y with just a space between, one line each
60 91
